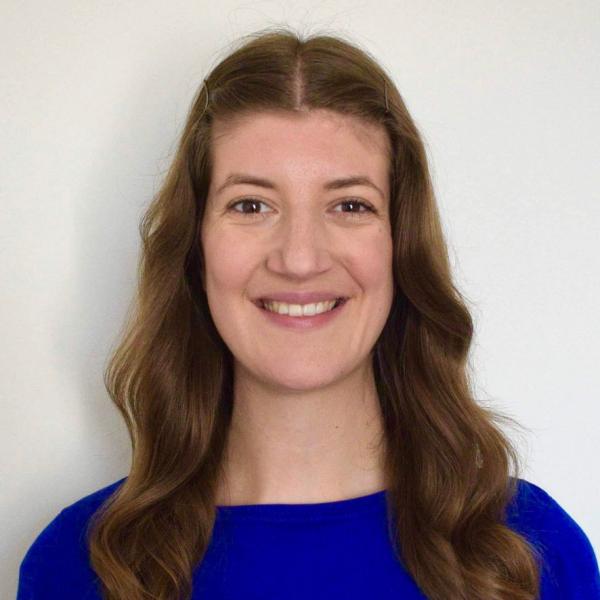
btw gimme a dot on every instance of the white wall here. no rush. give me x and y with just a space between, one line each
507 96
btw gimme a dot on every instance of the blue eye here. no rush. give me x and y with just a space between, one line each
351 201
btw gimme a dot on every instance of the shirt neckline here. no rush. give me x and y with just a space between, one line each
358 505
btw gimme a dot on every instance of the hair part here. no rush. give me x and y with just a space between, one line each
447 461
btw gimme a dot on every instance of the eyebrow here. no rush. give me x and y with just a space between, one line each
334 184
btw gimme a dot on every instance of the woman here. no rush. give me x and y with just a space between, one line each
294 377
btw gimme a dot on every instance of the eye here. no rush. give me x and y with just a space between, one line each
246 202
358 203
352 202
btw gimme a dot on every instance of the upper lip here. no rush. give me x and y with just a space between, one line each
300 297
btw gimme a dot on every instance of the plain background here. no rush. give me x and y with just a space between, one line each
94 94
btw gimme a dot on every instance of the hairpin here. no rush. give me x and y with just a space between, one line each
206 105
387 108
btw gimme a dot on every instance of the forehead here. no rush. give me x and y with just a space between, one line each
317 142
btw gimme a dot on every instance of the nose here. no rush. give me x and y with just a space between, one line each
301 244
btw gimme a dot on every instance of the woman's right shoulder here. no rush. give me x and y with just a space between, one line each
58 559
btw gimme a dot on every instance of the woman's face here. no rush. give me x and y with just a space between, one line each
295 234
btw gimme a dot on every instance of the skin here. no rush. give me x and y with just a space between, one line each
307 424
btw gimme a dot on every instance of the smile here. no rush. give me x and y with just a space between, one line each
301 310
296 316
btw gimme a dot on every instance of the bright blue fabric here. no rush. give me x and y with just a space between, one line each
330 550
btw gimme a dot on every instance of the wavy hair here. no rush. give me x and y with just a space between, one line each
170 376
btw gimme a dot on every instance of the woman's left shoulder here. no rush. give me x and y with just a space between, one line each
570 567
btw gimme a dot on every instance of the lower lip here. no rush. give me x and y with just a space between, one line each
307 322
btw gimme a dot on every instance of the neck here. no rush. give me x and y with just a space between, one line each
305 446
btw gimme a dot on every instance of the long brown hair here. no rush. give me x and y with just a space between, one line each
447 461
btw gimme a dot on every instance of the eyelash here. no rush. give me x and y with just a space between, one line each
350 214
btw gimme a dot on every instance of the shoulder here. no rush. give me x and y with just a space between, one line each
58 555
569 564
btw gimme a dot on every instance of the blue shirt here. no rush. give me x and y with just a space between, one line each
325 550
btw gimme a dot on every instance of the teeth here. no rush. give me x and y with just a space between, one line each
299 310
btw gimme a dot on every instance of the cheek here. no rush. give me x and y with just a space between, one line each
227 265
372 270
227 272
372 264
